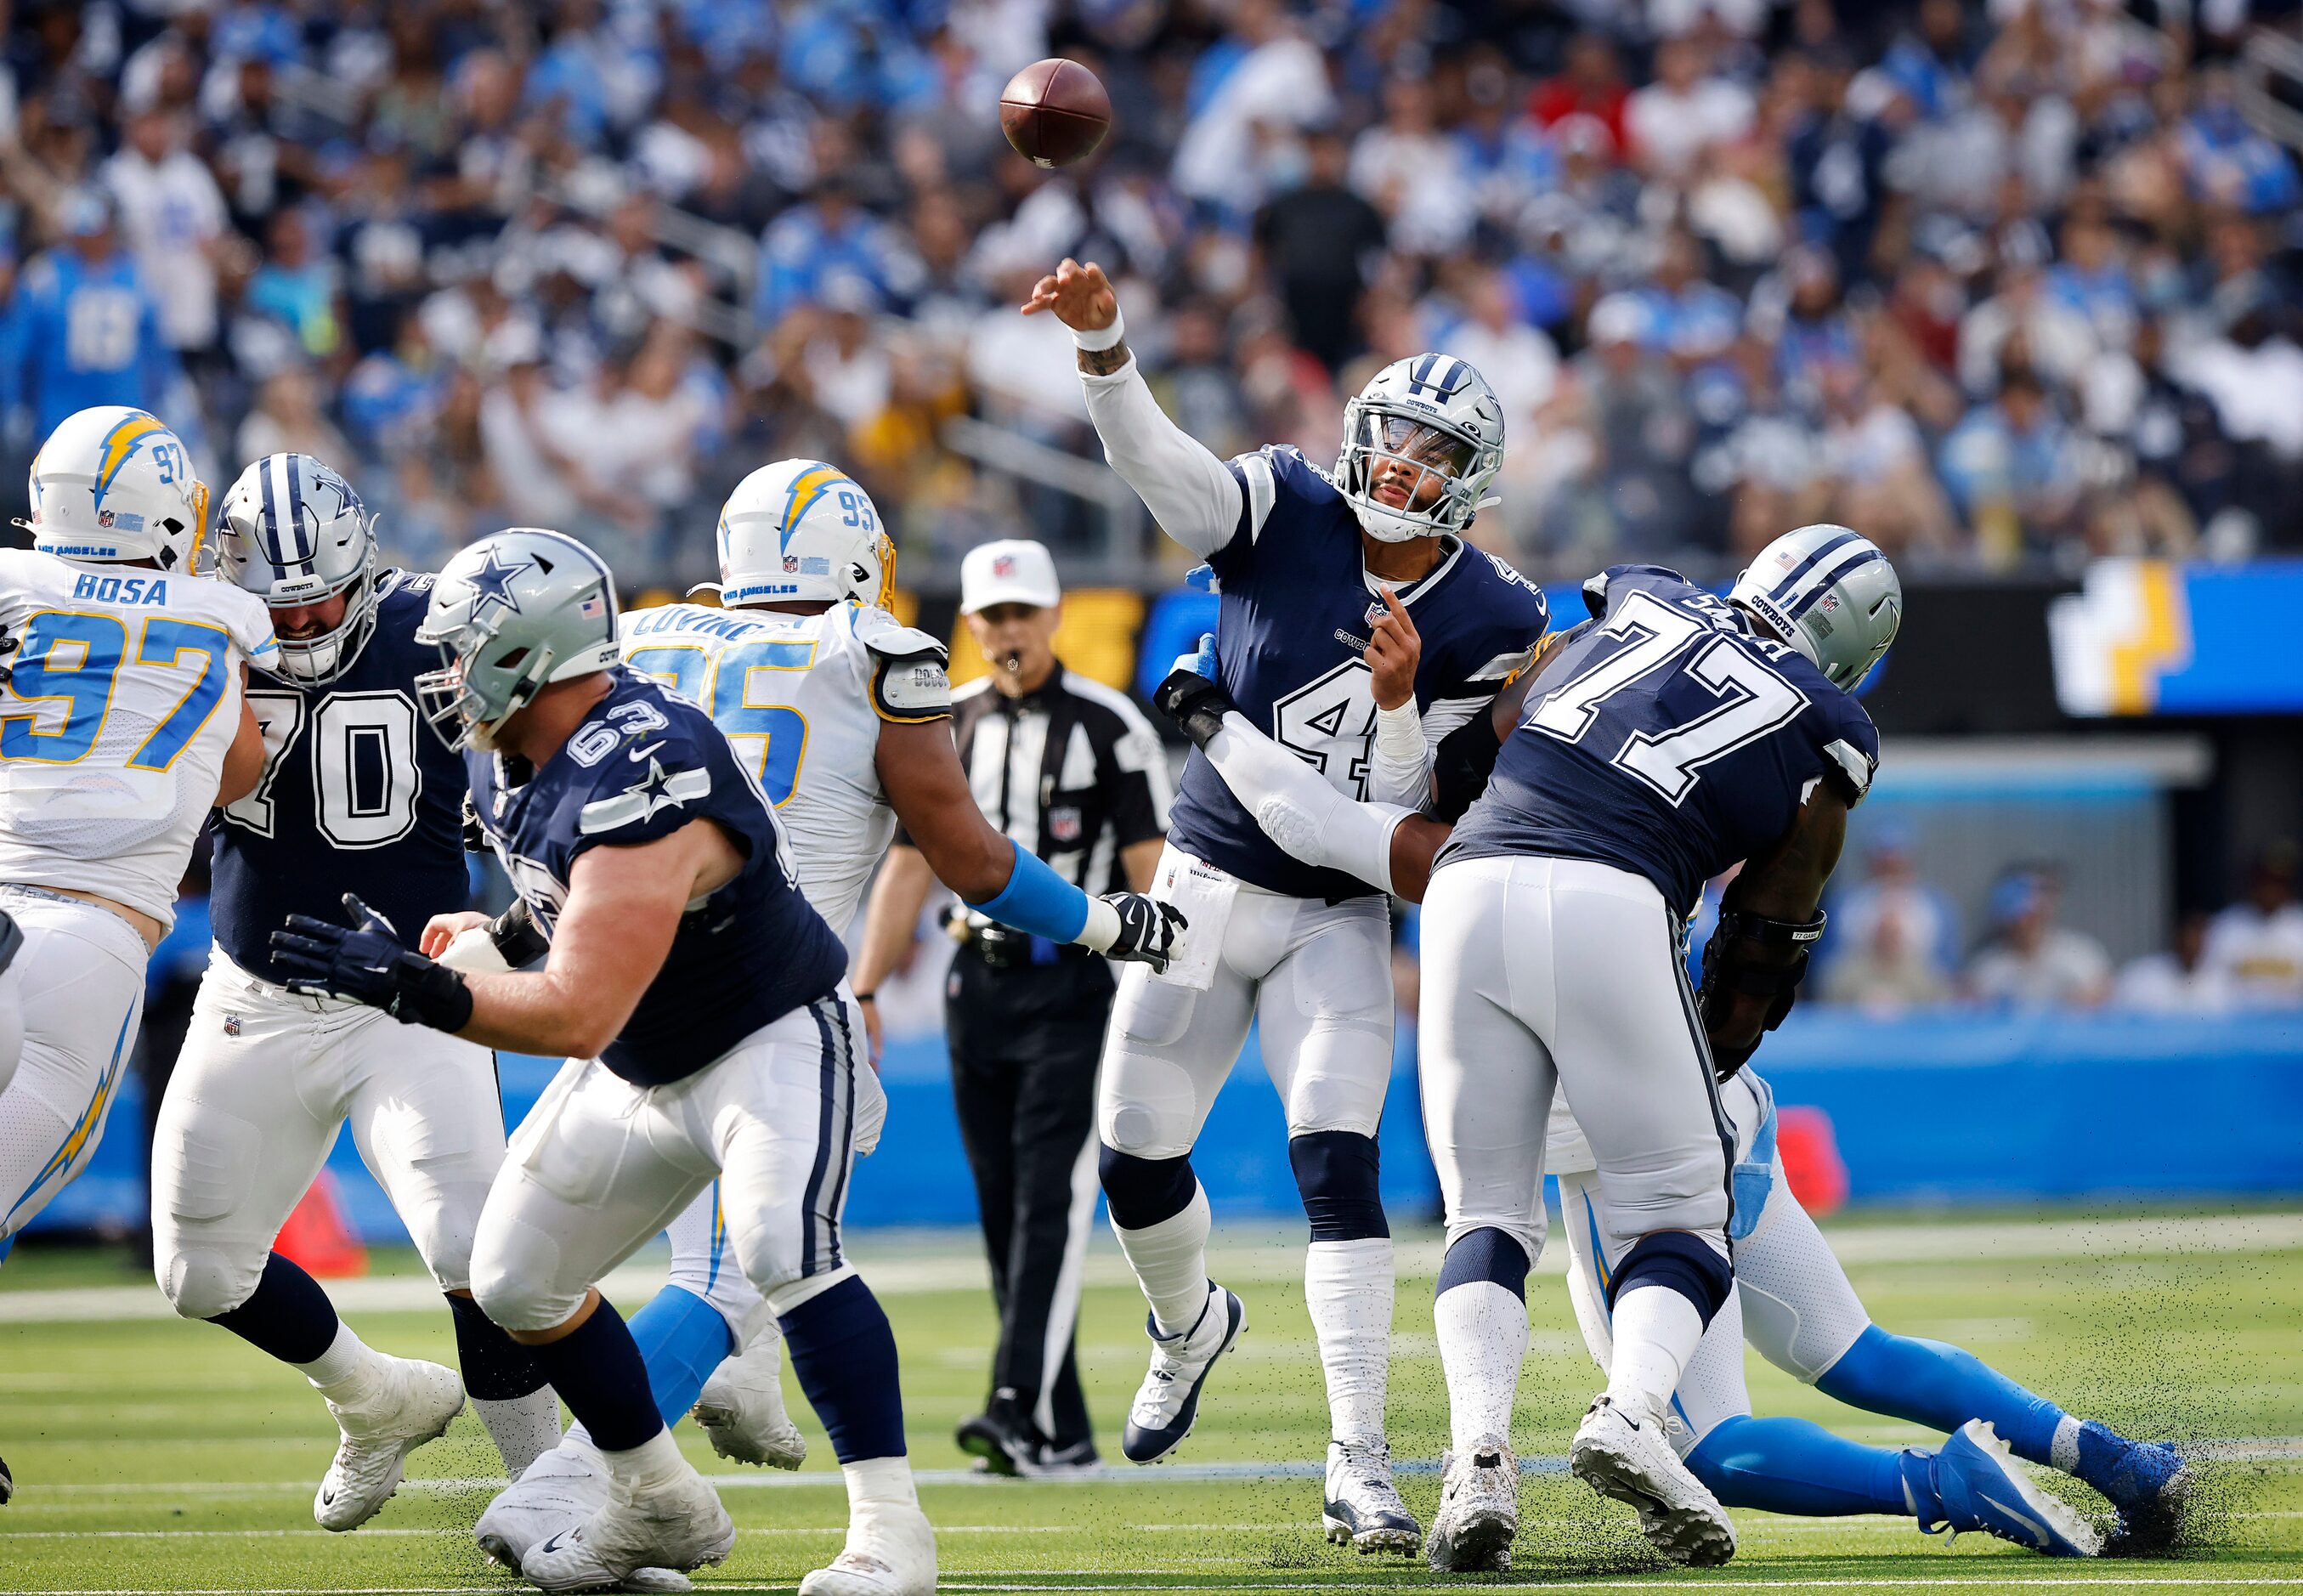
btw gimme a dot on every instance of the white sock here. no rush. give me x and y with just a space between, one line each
348 1371
524 1428
2063 1451
1482 1331
651 1465
1348 1286
1170 1261
1298 810
1657 1331
879 1482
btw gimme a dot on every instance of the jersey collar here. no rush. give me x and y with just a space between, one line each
1408 593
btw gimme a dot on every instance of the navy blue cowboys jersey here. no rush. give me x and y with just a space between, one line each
644 763
1667 738
1293 626
356 796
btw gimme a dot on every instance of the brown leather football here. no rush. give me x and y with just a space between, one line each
1055 111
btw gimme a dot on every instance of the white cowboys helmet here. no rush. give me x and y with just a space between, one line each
1436 415
801 530
512 614
1829 591
112 483
294 533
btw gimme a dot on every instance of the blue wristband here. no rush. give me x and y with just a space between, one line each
1038 901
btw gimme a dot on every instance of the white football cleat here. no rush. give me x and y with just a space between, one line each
1478 1510
1628 1457
414 1402
741 1407
678 1525
890 1551
559 1490
1168 1403
1362 1507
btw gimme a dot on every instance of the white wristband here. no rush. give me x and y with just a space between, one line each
1096 340
1399 732
1102 927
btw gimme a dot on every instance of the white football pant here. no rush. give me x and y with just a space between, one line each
77 985
266 1079
1540 972
600 1166
1315 977
1792 1301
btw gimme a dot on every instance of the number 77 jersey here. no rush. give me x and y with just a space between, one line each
1666 738
122 699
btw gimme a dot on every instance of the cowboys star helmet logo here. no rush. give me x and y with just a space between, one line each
491 583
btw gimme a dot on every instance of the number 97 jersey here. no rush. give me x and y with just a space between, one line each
356 796
1667 739
122 699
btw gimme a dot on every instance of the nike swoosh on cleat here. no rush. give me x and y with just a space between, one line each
2038 1530
552 1544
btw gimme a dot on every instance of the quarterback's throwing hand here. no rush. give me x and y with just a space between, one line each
1081 296
1147 930
368 963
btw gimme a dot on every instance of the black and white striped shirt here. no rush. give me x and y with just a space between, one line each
1073 773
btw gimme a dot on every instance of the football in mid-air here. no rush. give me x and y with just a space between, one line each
1055 111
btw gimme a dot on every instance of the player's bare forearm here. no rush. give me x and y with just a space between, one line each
919 771
1103 362
897 897
1785 885
1140 861
243 761
1415 843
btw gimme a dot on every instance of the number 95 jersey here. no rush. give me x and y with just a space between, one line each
356 796
1667 738
801 699
122 701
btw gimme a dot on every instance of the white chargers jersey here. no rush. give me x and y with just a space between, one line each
802 698
122 701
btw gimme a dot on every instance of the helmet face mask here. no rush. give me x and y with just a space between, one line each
294 533
511 615
115 483
800 530
1433 424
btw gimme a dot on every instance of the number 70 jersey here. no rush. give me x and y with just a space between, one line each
1666 738
123 697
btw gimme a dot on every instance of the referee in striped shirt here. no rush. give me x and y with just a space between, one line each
1072 772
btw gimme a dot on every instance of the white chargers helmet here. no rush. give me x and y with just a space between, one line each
1829 591
510 613
294 533
801 530
1436 415
112 483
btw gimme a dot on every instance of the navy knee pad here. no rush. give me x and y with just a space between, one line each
1336 1173
1142 1192
1485 1254
1680 1262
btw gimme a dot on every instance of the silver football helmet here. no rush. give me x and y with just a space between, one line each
294 533
1437 416
1829 591
512 614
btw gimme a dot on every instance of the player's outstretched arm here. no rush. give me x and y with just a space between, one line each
919 771
1190 492
1769 923
243 761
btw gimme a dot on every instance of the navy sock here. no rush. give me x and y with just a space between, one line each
844 1354
495 1367
682 1338
1485 1253
1941 1387
597 1371
287 1315
1790 1465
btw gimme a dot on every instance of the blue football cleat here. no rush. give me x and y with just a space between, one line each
1170 1399
1978 1485
2147 1480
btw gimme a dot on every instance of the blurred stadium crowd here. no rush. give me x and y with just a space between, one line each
2005 284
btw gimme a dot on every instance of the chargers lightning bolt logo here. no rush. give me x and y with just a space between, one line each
120 444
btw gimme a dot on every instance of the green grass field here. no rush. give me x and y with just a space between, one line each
154 1456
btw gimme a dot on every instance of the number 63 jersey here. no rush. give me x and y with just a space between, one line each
121 701
1667 738
356 796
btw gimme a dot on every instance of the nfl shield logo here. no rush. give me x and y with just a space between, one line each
1063 825
231 1025
1003 565
1830 602
791 564
103 518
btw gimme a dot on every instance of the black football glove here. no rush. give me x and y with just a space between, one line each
476 835
368 963
1147 930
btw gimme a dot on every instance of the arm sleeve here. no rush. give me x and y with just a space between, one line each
1399 758
1191 494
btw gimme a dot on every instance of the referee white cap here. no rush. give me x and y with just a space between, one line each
1013 570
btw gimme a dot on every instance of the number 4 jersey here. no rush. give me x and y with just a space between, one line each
356 796
1665 737
121 701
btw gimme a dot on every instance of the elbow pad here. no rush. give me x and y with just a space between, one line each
1731 967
